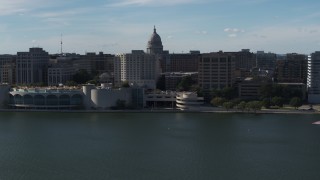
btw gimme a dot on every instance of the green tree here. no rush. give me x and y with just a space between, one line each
254 105
71 83
242 106
161 83
266 103
81 77
228 105
125 84
185 84
229 92
296 102
277 101
217 101
266 90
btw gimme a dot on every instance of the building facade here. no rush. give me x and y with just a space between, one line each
266 61
216 70
32 66
7 69
292 69
184 62
34 98
314 78
137 68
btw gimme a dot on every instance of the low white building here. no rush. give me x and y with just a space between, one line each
188 101
105 97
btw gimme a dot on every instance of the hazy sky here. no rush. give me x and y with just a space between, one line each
118 26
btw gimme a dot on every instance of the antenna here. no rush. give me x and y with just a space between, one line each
61 45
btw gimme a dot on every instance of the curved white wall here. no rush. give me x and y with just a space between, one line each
106 98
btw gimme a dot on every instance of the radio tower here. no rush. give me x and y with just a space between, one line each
61 46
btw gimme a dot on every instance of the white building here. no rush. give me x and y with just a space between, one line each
105 97
137 68
314 78
32 66
188 101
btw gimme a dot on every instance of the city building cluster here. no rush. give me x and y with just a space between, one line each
155 78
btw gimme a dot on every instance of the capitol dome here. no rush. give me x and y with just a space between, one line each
155 44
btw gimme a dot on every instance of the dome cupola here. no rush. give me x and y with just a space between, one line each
155 44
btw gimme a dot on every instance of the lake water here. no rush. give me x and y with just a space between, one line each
159 146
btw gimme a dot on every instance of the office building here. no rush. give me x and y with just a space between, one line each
266 61
292 69
314 78
32 67
216 70
136 68
7 69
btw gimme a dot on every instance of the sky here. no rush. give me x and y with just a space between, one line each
119 26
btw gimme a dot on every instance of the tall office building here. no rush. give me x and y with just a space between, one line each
314 78
266 61
292 69
136 68
100 63
216 71
32 66
7 69
184 62
245 59
60 70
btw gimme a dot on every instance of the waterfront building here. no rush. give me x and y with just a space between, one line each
314 78
45 98
137 68
7 68
106 97
249 88
32 66
216 71
292 69
156 99
189 101
4 98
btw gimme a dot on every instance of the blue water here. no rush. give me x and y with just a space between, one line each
158 146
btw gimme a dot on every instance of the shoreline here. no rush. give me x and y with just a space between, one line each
212 110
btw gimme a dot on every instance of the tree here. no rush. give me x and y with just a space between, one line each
161 83
125 84
242 106
185 84
82 76
266 103
71 83
228 105
217 101
229 92
266 90
254 105
277 101
296 102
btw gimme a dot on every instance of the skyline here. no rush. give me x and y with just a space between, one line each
120 26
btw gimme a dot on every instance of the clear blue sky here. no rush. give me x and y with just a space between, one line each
118 26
